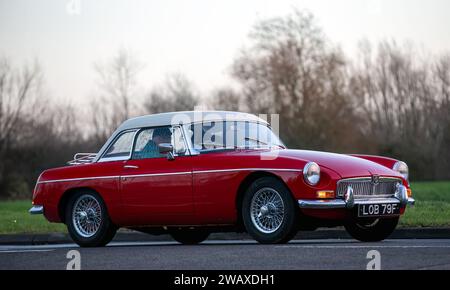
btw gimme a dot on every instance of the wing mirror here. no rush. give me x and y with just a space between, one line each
166 148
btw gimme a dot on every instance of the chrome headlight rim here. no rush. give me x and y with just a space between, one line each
402 168
311 179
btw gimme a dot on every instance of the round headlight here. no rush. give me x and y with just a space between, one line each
311 173
401 168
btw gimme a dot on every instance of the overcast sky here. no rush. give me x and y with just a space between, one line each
198 38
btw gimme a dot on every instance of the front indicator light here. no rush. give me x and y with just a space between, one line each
325 194
409 192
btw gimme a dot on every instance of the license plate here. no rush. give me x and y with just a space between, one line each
381 209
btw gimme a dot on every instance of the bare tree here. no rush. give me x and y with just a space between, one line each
19 91
35 134
404 99
226 99
176 94
292 69
118 83
441 126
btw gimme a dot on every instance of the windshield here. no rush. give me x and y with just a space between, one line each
225 135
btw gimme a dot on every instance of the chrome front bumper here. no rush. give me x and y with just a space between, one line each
349 200
36 209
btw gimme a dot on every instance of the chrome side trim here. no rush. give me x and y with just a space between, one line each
169 173
247 169
157 174
77 179
36 209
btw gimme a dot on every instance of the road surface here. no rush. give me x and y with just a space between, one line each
235 255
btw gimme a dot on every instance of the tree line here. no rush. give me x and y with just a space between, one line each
388 99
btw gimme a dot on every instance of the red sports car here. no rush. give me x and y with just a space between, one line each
192 173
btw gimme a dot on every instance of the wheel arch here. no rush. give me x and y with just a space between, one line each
66 196
246 182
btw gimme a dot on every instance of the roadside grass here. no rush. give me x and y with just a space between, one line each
432 209
14 218
432 205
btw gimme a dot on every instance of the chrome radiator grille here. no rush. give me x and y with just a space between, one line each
368 187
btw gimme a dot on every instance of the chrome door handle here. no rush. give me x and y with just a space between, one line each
131 166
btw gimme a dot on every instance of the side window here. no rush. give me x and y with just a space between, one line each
121 148
206 136
148 140
210 136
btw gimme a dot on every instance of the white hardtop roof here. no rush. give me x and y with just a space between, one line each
176 118
186 117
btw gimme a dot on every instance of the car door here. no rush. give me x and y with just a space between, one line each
155 189
216 171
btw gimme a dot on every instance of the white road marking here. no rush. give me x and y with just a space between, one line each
361 247
306 244
24 251
36 248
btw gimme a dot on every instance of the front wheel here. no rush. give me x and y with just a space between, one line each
189 236
269 212
371 230
88 221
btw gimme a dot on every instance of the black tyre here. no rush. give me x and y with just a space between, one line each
371 230
269 212
88 221
189 236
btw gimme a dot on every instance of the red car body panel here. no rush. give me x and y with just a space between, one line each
385 161
200 189
159 191
218 176
101 177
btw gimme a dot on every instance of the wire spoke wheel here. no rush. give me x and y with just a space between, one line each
267 210
87 215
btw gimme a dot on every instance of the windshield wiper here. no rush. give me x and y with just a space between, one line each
264 143
256 140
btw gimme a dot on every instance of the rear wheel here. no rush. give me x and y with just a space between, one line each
269 212
189 236
87 220
371 230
